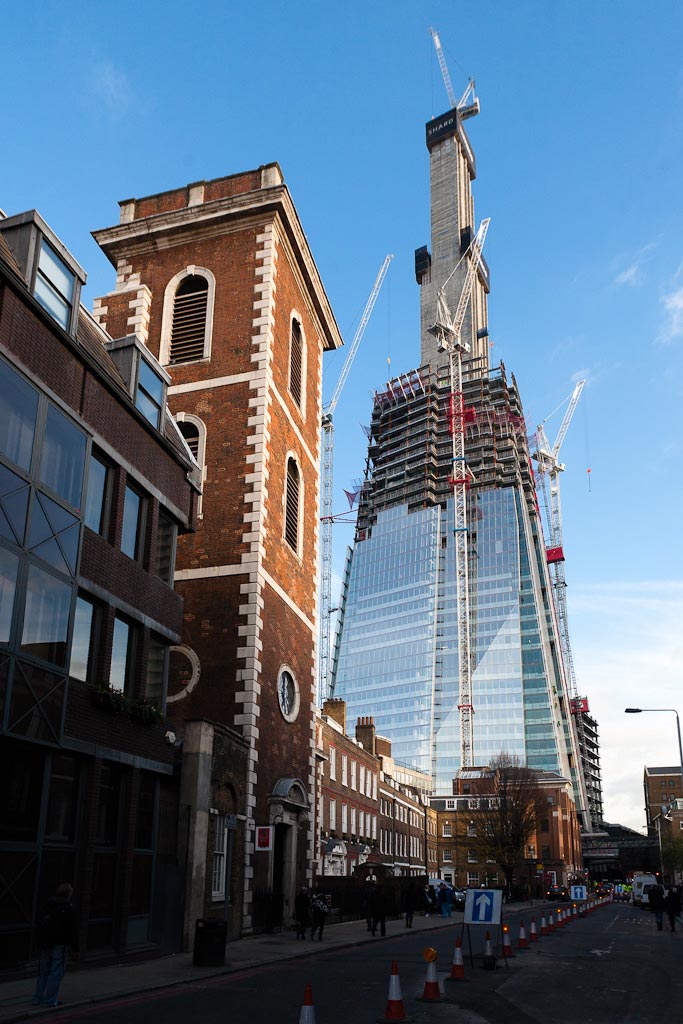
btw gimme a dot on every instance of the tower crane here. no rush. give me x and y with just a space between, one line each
549 469
466 109
448 332
327 479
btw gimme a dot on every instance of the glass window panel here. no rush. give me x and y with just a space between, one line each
46 618
96 493
40 528
63 460
51 553
15 507
131 523
52 301
166 532
60 824
118 675
56 271
156 666
108 806
152 384
149 409
18 408
9 566
82 638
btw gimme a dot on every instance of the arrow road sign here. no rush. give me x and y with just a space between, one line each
483 906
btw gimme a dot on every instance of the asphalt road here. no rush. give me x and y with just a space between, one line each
612 967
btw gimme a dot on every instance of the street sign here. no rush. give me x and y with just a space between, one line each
578 892
483 906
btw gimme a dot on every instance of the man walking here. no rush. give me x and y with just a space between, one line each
56 932
655 897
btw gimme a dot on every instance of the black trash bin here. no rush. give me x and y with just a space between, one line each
209 942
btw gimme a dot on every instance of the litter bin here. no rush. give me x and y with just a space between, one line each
209 942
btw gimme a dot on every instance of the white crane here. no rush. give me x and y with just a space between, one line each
327 480
466 109
549 469
448 331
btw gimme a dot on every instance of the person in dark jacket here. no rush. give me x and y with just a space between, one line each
655 898
411 902
379 911
302 906
57 931
672 905
367 897
318 912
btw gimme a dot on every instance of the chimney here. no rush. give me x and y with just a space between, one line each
335 708
365 734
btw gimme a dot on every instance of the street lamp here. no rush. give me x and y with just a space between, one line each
638 711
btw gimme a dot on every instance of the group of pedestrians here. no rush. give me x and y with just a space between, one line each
310 908
661 902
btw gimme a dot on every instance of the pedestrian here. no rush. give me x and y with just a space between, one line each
318 912
57 931
449 899
428 898
379 911
672 904
410 902
367 897
442 900
302 906
655 897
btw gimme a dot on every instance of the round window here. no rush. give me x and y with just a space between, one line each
288 694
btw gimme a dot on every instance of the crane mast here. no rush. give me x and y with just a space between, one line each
448 331
327 480
550 468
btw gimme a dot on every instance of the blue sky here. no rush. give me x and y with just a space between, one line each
579 151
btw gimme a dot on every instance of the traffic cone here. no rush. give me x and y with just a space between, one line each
431 992
544 925
575 911
395 1011
551 922
560 922
457 967
307 1009
489 956
523 943
507 947
533 934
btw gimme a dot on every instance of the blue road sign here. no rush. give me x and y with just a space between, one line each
483 906
578 892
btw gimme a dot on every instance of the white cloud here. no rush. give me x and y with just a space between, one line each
633 274
627 641
672 327
110 87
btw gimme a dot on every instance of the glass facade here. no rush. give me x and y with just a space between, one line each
398 656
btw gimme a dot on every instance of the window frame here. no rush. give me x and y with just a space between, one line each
166 517
298 395
140 522
105 507
288 501
69 302
141 389
129 666
167 315
219 858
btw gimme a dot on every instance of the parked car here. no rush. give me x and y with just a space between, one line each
557 892
459 897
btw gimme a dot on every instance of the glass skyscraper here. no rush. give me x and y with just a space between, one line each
396 655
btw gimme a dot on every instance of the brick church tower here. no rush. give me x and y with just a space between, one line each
218 281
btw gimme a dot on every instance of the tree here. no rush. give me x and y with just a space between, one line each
504 820
672 855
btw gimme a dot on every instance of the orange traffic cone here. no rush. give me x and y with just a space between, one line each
395 1011
533 934
489 956
560 921
544 925
551 922
457 967
432 992
507 947
523 943
307 1009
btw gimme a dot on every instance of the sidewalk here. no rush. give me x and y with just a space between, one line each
91 985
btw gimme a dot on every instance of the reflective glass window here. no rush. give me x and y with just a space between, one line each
54 286
9 566
46 616
82 640
95 499
63 459
120 656
132 518
18 409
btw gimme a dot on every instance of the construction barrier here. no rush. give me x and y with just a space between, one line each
307 1009
523 941
533 934
395 1012
431 992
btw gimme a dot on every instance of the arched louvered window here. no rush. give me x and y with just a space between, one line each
190 432
292 503
188 329
194 432
296 361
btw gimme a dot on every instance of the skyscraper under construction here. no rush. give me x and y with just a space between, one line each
448 634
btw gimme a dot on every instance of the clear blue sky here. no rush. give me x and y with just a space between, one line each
579 152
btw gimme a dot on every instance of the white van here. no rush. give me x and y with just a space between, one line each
640 884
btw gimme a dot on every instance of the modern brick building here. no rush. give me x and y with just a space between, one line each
96 483
219 278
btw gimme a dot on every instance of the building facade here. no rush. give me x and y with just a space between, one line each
220 277
96 485
396 653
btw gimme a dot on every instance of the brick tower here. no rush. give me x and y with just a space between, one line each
218 280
